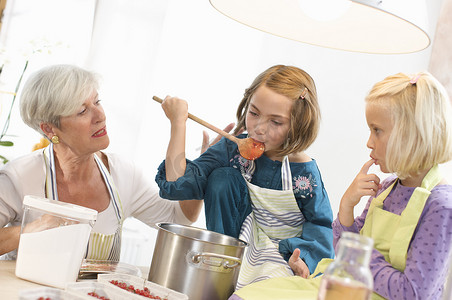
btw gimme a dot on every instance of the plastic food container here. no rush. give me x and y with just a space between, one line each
53 240
139 283
83 290
49 293
91 268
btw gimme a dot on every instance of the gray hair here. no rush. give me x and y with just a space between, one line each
53 92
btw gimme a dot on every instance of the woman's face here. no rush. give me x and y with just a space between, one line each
85 131
268 118
380 125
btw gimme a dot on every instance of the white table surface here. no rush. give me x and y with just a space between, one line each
11 285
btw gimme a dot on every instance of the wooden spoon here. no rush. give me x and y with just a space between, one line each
249 148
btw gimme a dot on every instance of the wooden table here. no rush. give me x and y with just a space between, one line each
11 285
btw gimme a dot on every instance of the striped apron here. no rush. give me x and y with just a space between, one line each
392 243
100 246
275 216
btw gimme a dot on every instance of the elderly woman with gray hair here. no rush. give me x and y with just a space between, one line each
62 103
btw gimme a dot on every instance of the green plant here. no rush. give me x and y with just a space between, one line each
36 46
8 119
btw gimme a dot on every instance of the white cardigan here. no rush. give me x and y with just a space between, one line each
140 198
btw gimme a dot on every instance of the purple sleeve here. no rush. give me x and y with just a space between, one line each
338 228
427 258
428 253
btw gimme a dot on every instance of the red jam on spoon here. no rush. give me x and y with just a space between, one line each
250 149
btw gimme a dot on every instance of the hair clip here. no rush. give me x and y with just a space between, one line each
415 79
303 94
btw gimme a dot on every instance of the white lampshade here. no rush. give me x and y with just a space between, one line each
370 26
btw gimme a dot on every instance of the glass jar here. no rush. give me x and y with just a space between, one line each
348 276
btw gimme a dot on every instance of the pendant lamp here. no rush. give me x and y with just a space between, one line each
369 26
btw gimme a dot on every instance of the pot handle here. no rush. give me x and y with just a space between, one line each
198 258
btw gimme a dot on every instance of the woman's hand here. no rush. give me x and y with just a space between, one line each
9 239
46 222
363 185
297 265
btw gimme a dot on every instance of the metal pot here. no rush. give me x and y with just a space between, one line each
199 263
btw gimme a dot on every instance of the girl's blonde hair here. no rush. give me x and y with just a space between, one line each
422 117
297 85
53 92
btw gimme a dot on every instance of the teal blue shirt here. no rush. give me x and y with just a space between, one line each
316 240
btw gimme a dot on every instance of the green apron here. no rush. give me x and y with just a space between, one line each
393 244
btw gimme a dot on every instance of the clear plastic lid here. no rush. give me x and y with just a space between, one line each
60 208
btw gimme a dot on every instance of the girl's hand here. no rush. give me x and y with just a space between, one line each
297 265
363 185
206 140
175 162
176 109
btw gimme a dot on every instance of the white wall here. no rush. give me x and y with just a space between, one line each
186 48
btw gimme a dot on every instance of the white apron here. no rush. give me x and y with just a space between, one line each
100 246
275 216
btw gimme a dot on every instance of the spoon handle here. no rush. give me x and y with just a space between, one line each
206 124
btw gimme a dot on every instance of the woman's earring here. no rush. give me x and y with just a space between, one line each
55 139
